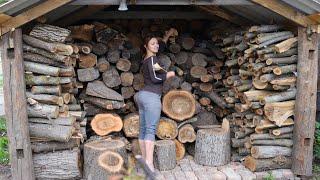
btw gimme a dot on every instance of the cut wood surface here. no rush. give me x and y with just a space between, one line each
103 124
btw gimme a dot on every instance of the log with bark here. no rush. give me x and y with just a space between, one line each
165 155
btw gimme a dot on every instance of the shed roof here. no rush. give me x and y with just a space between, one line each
255 11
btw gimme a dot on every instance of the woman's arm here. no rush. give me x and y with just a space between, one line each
155 77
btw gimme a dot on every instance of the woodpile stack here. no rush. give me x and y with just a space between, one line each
262 62
81 82
56 122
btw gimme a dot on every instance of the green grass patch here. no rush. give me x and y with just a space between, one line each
4 143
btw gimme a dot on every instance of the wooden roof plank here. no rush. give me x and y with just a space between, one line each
286 11
4 17
31 14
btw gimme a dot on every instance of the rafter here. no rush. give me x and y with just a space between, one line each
31 14
215 10
286 11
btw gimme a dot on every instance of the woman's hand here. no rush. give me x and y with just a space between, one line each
170 74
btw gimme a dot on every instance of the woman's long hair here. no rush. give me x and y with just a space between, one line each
146 40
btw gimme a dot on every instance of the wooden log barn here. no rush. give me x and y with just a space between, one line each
245 89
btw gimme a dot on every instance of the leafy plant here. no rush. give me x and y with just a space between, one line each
269 177
4 153
316 147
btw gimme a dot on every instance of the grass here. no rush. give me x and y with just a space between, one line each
4 153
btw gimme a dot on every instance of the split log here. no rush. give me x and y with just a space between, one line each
43 110
103 65
282 131
266 124
214 97
92 151
270 151
284 80
286 45
64 121
279 112
99 49
51 132
50 33
54 90
57 48
179 105
269 136
165 155
82 32
53 59
138 82
187 43
186 134
45 80
56 165
88 74
131 125
167 129
285 69
111 162
278 162
123 65
273 142
103 103
206 150
52 146
283 60
113 56
126 78
111 77
87 60
46 98
127 92
180 150
104 124
99 89
41 68
277 97
238 142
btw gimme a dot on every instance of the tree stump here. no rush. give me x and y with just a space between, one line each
165 155
92 153
213 146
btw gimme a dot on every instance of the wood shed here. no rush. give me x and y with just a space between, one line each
245 88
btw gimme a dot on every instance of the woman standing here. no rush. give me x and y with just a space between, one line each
149 98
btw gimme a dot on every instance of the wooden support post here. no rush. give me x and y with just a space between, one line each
305 108
15 106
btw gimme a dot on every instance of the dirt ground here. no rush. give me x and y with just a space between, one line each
5 173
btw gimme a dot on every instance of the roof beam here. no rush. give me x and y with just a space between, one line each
4 17
286 11
148 15
164 2
315 17
79 14
216 11
31 14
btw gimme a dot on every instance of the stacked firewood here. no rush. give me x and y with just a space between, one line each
262 63
56 122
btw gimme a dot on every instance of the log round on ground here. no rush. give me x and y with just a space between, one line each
212 147
103 124
165 155
179 105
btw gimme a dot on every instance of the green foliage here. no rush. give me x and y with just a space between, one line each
4 153
3 1
269 177
316 147
3 127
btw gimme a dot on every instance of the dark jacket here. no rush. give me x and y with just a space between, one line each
153 79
